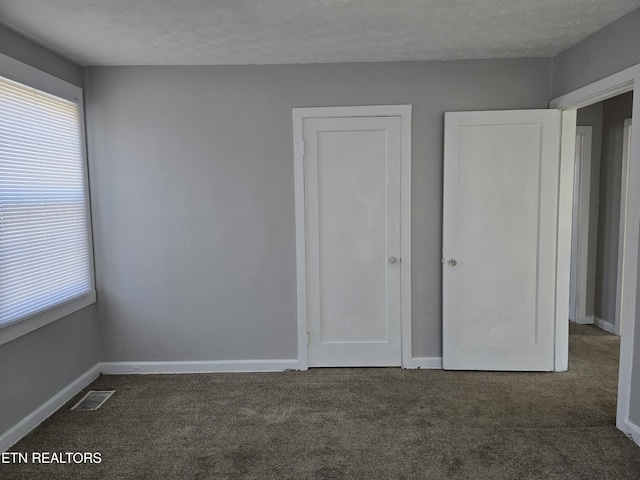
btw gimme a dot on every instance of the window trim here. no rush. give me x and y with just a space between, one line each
32 77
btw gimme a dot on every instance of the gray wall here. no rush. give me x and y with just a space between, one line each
193 202
604 53
35 367
615 111
591 116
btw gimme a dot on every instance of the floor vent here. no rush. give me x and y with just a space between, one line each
93 400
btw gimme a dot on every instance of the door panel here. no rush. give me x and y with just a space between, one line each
352 187
500 209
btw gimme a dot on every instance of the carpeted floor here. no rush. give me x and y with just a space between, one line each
375 423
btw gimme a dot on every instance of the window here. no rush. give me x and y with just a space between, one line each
45 249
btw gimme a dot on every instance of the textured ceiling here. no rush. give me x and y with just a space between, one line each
227 32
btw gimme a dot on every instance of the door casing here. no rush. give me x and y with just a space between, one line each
404 113
622 227
581 226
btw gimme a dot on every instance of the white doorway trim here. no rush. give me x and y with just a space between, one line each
624 199
580 230
563 259
404 113
608 87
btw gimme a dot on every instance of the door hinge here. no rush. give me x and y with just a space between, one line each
307 338
303 153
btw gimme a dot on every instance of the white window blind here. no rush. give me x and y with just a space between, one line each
44 245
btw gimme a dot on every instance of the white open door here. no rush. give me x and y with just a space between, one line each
500 239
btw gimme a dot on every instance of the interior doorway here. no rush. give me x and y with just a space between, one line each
600 212
600 220
569 103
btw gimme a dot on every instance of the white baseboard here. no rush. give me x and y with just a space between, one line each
20 430
35 418
214 366
425 363
633 431
606 326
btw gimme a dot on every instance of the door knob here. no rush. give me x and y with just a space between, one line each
393 260
452 262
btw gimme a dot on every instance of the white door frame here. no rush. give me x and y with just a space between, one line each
563 252
608 87
580 226
404 112
624 199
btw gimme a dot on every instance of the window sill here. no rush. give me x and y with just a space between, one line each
27 325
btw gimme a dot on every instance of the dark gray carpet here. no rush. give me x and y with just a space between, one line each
351 423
